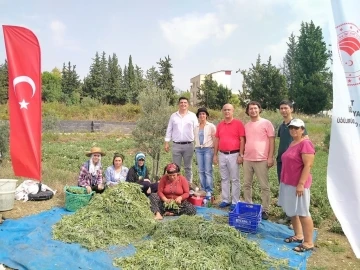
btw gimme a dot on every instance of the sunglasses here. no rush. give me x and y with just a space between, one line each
293 127
141 159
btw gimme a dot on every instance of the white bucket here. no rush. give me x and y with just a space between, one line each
7 194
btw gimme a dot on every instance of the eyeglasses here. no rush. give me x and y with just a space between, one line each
293 127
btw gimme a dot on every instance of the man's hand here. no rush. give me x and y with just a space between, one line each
270 162
166 147
240 160
88 189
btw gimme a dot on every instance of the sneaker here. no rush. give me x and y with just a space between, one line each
232 207
224 204
264 216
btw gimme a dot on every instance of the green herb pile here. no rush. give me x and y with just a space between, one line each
119 216
191 242
76 190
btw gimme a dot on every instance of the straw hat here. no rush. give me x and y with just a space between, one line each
95 150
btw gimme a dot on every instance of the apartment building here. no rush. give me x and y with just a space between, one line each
221 77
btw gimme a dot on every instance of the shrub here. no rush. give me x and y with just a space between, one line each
4 138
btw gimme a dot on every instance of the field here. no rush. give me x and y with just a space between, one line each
64 153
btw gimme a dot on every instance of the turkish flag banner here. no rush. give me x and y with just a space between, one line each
23 56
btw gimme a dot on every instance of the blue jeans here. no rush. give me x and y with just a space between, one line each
204 157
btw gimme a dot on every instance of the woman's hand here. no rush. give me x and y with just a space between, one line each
166 200
100 187
178 200
88 189
299 190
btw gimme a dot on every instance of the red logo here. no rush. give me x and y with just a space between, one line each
348 35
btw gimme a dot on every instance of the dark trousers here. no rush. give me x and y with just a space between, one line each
145 185
278 169
97 190
157 205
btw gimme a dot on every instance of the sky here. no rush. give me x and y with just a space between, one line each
200 36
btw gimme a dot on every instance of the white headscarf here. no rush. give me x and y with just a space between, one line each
92 167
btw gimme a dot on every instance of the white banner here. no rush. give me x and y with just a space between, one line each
343 173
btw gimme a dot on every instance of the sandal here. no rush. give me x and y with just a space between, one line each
302 248
292 239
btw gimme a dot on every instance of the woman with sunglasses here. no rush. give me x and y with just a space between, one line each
295 183
173 188
90 176
140 174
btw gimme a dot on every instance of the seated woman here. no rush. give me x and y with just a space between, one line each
139 174
90 176
173 187
116 173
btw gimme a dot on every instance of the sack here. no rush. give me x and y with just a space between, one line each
31 187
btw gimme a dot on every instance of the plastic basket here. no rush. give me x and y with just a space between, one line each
246 217
73 201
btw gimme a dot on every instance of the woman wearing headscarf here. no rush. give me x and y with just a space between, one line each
204 133
90 176
173 188
140 174
116 173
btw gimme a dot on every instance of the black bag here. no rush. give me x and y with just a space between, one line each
41 195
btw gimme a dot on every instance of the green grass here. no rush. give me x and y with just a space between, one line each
63 154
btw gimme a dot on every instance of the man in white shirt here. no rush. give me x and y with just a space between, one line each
180 131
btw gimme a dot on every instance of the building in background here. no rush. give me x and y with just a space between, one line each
221 77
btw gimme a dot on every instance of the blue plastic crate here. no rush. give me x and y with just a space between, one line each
246 217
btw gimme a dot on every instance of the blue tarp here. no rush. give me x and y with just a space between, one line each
27 243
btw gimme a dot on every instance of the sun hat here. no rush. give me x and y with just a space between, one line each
94 150
203 109
296 122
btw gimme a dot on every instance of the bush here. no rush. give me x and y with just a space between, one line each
4 138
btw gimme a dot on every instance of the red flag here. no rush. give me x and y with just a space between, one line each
23 56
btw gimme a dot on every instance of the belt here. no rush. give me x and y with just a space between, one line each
182 142
230 152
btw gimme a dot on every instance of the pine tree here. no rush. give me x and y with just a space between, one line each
312 73
152 76
289 68
4 83
165 80
265 83
104 78
129 77
70 84
93 83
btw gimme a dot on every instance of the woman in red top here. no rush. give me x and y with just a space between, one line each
172 186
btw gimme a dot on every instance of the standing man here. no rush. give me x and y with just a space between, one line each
259 154
229 141
180 130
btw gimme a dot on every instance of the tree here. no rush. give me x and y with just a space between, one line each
311 58
4 83
207 93
264 83
51 86
93 84
70 84
151 127
165 80
129 79
104 78
115 94
152 76
289 66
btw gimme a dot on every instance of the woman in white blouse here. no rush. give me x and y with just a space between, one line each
204 133
117 172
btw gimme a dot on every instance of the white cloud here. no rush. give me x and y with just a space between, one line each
190 30
58 30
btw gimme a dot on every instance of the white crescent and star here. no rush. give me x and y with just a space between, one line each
20 79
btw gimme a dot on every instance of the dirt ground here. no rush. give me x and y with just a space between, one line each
333 250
